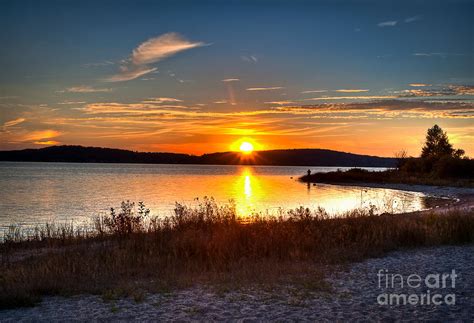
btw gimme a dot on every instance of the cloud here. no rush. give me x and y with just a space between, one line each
159 48
351 90
39 136
47 142
230 80
14 122
130 73
440 55
450 90
99 64
314 91
162 100
419 84
220 102
249 59
152 51
281 102
387 109
389 23
71 102
463 89
412 19
133 124
381 109
366 97
85 89
426 54
265 88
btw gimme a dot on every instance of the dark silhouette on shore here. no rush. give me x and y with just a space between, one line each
288 157
439 164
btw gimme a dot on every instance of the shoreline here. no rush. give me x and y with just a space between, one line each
459 197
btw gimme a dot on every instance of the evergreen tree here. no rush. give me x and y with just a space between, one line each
437 145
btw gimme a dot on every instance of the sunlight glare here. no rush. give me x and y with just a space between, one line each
246 147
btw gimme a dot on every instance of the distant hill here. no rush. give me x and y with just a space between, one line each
285 157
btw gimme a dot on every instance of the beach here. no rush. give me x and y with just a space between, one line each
352 295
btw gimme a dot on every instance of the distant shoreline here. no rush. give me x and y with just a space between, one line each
288 157
169 164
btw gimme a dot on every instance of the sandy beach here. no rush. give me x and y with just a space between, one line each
352 295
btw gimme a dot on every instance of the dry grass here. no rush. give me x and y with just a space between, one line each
207 244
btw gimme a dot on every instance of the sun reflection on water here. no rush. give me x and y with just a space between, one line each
30 198
248 187
248 192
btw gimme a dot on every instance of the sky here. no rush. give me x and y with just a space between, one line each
196 77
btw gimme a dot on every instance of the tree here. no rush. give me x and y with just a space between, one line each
401 157
437 145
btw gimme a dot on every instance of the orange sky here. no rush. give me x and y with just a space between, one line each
377 128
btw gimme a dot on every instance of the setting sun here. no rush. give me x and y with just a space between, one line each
246 147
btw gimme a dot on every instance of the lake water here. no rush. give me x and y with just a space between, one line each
35 193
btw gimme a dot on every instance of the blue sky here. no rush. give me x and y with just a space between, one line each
59 58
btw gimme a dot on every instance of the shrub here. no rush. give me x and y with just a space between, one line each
128 220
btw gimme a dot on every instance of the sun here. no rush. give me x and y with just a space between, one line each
246 147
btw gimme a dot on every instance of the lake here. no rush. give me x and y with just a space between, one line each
35 193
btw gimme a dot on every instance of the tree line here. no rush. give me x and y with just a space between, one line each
438 158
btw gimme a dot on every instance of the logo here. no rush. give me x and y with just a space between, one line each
432 289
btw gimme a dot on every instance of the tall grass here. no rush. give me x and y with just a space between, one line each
130 250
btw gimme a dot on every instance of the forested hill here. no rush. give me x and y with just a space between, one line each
289 157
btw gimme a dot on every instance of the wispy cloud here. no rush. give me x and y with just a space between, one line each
130 73
365 97
314 91
386 109
413 19
152 51
463 89
12 123
71 102
440 55
47 143
230 80
159 48
450 90
40 136
85 89
249 58
265 88
281 102
351 90
99 64
389 23
142 125
381 109
419 84
162 100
